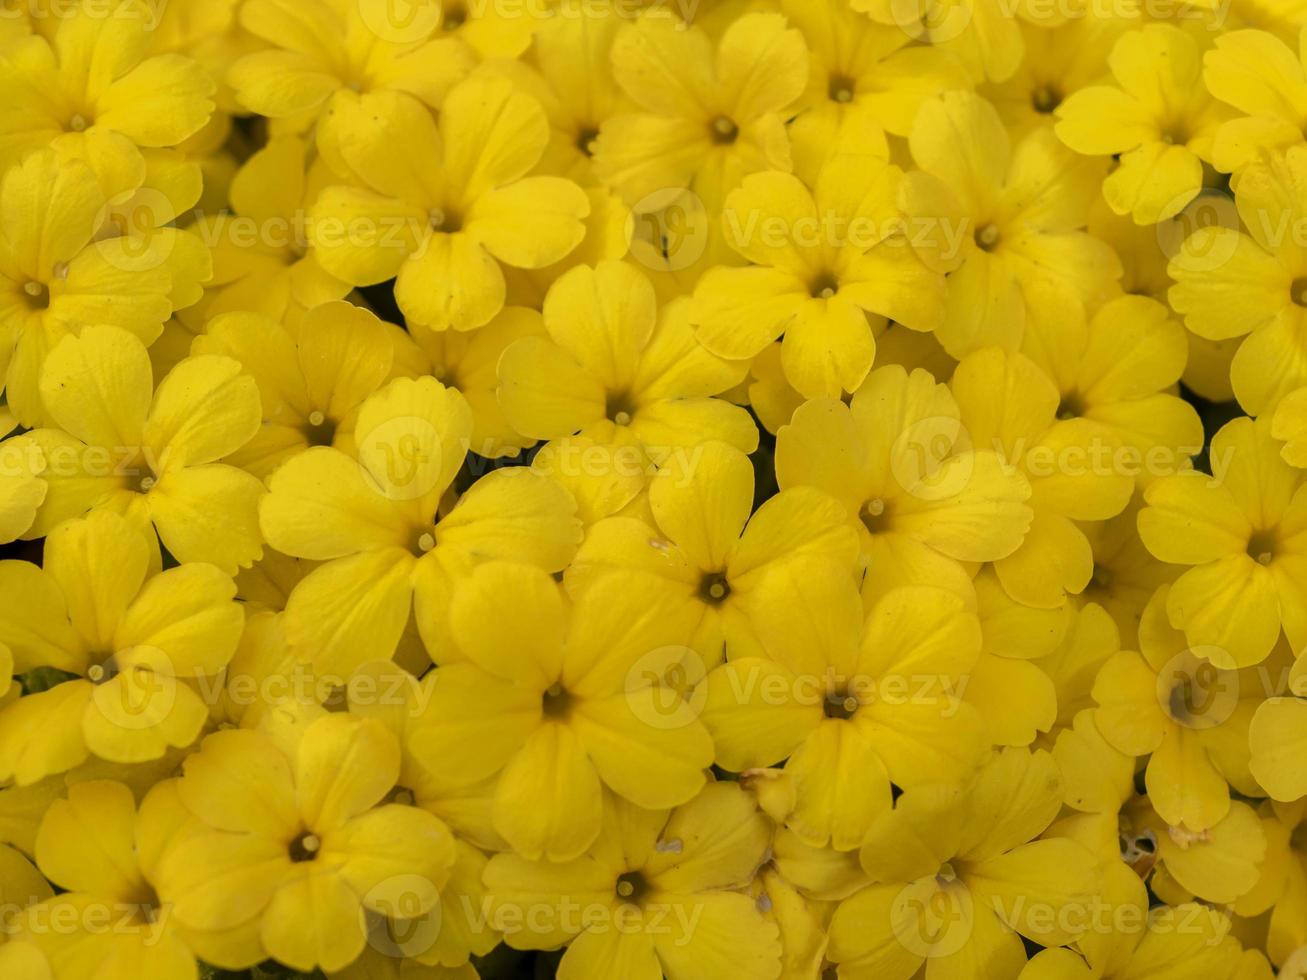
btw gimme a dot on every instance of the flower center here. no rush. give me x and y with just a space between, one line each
1045 98
455 16
37 295
1298 291
620 409
1175 135
724 131
444 220
714 589
1072 406
875 515
987 237
78 123
556 702
103 669
1182 703
842 88
1102 577
422 540
1262 547
144 907
1137 850
824 286
840 703
632 887
585 140
140 475
305 847
402 795
319 430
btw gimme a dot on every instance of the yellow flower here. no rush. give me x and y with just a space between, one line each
959 879
1072 462
24 961
21 885
99 609
492 30
455 928
855 61
1250 286
561 703
105 854
381 964
1218 865
982 35
1159 118
1060 60
822 259
616 368
1008 685
388 550
318 49
1125 573
322 846
1241 530
710 115
658 894
1289 425
1145 250
606 479
1186 942
154 459
1097 780
1119 372
1090 641
439 207
1274 737
1282 886
311 382
1005 221
22 491
262 260
468 361
854 709
1188 716
1262 77
97 91
1131 936
923 500
700 552
54 277
801 920
570 73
